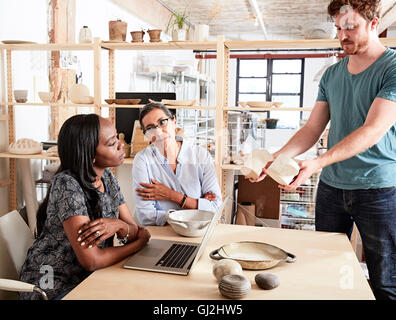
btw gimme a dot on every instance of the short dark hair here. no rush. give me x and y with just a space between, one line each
155 105
368 9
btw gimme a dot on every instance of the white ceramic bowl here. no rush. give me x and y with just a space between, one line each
45 96
189 223
20 95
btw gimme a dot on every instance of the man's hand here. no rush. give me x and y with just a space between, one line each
307 169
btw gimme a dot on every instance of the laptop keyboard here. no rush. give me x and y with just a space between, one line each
176 256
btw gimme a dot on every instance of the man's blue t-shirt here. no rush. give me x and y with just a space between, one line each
350 97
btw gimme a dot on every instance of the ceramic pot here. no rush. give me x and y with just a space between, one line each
179 35
201 32
20 95
283 169
155 35
137 36
85 35
117 30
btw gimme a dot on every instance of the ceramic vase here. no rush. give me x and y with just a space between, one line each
117 30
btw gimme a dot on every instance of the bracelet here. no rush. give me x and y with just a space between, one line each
125 239
183 201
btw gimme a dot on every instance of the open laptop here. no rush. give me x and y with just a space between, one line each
170 256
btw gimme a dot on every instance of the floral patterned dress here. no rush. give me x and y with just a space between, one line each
51 263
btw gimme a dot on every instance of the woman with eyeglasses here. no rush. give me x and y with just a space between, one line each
171 173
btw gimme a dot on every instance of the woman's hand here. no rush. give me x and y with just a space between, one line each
210 196
143 235
154 191
98 230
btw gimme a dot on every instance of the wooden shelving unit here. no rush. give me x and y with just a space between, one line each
224 171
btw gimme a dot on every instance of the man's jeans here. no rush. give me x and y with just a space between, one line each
374 212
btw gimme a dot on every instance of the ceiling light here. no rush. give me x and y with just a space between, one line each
259 16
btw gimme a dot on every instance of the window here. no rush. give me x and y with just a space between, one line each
280 80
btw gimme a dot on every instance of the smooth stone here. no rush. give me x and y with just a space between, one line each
234 286
224 267
267 281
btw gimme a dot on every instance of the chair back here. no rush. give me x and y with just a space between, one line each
15 240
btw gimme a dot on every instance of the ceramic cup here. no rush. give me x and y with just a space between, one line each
283 169
20 95
255 163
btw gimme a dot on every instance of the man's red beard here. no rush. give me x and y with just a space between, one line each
352 48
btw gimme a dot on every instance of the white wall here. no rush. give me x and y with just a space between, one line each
22 20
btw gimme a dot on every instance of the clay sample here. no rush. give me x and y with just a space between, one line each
255 163
117 30
234 286
224 267
25 146
127 147
79 93
267 281
283 169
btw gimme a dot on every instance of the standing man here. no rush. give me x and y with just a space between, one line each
357 184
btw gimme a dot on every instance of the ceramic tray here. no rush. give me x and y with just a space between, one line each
123 101
17 42
178 102
253 255
261 104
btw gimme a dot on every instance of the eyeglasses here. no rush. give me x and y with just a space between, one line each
161 124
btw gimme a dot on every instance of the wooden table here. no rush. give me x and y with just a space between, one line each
326 268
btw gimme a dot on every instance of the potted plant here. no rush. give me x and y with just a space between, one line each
176 24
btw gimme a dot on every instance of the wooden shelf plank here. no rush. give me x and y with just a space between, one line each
296 44
172 45
267 109
49 104
48 46
231 166
136 106
40 156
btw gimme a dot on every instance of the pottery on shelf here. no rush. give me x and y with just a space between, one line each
20 95
155 35
137 36
117 30
127 147
85 35
79 93
25 146
201 32
179 34
46 97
